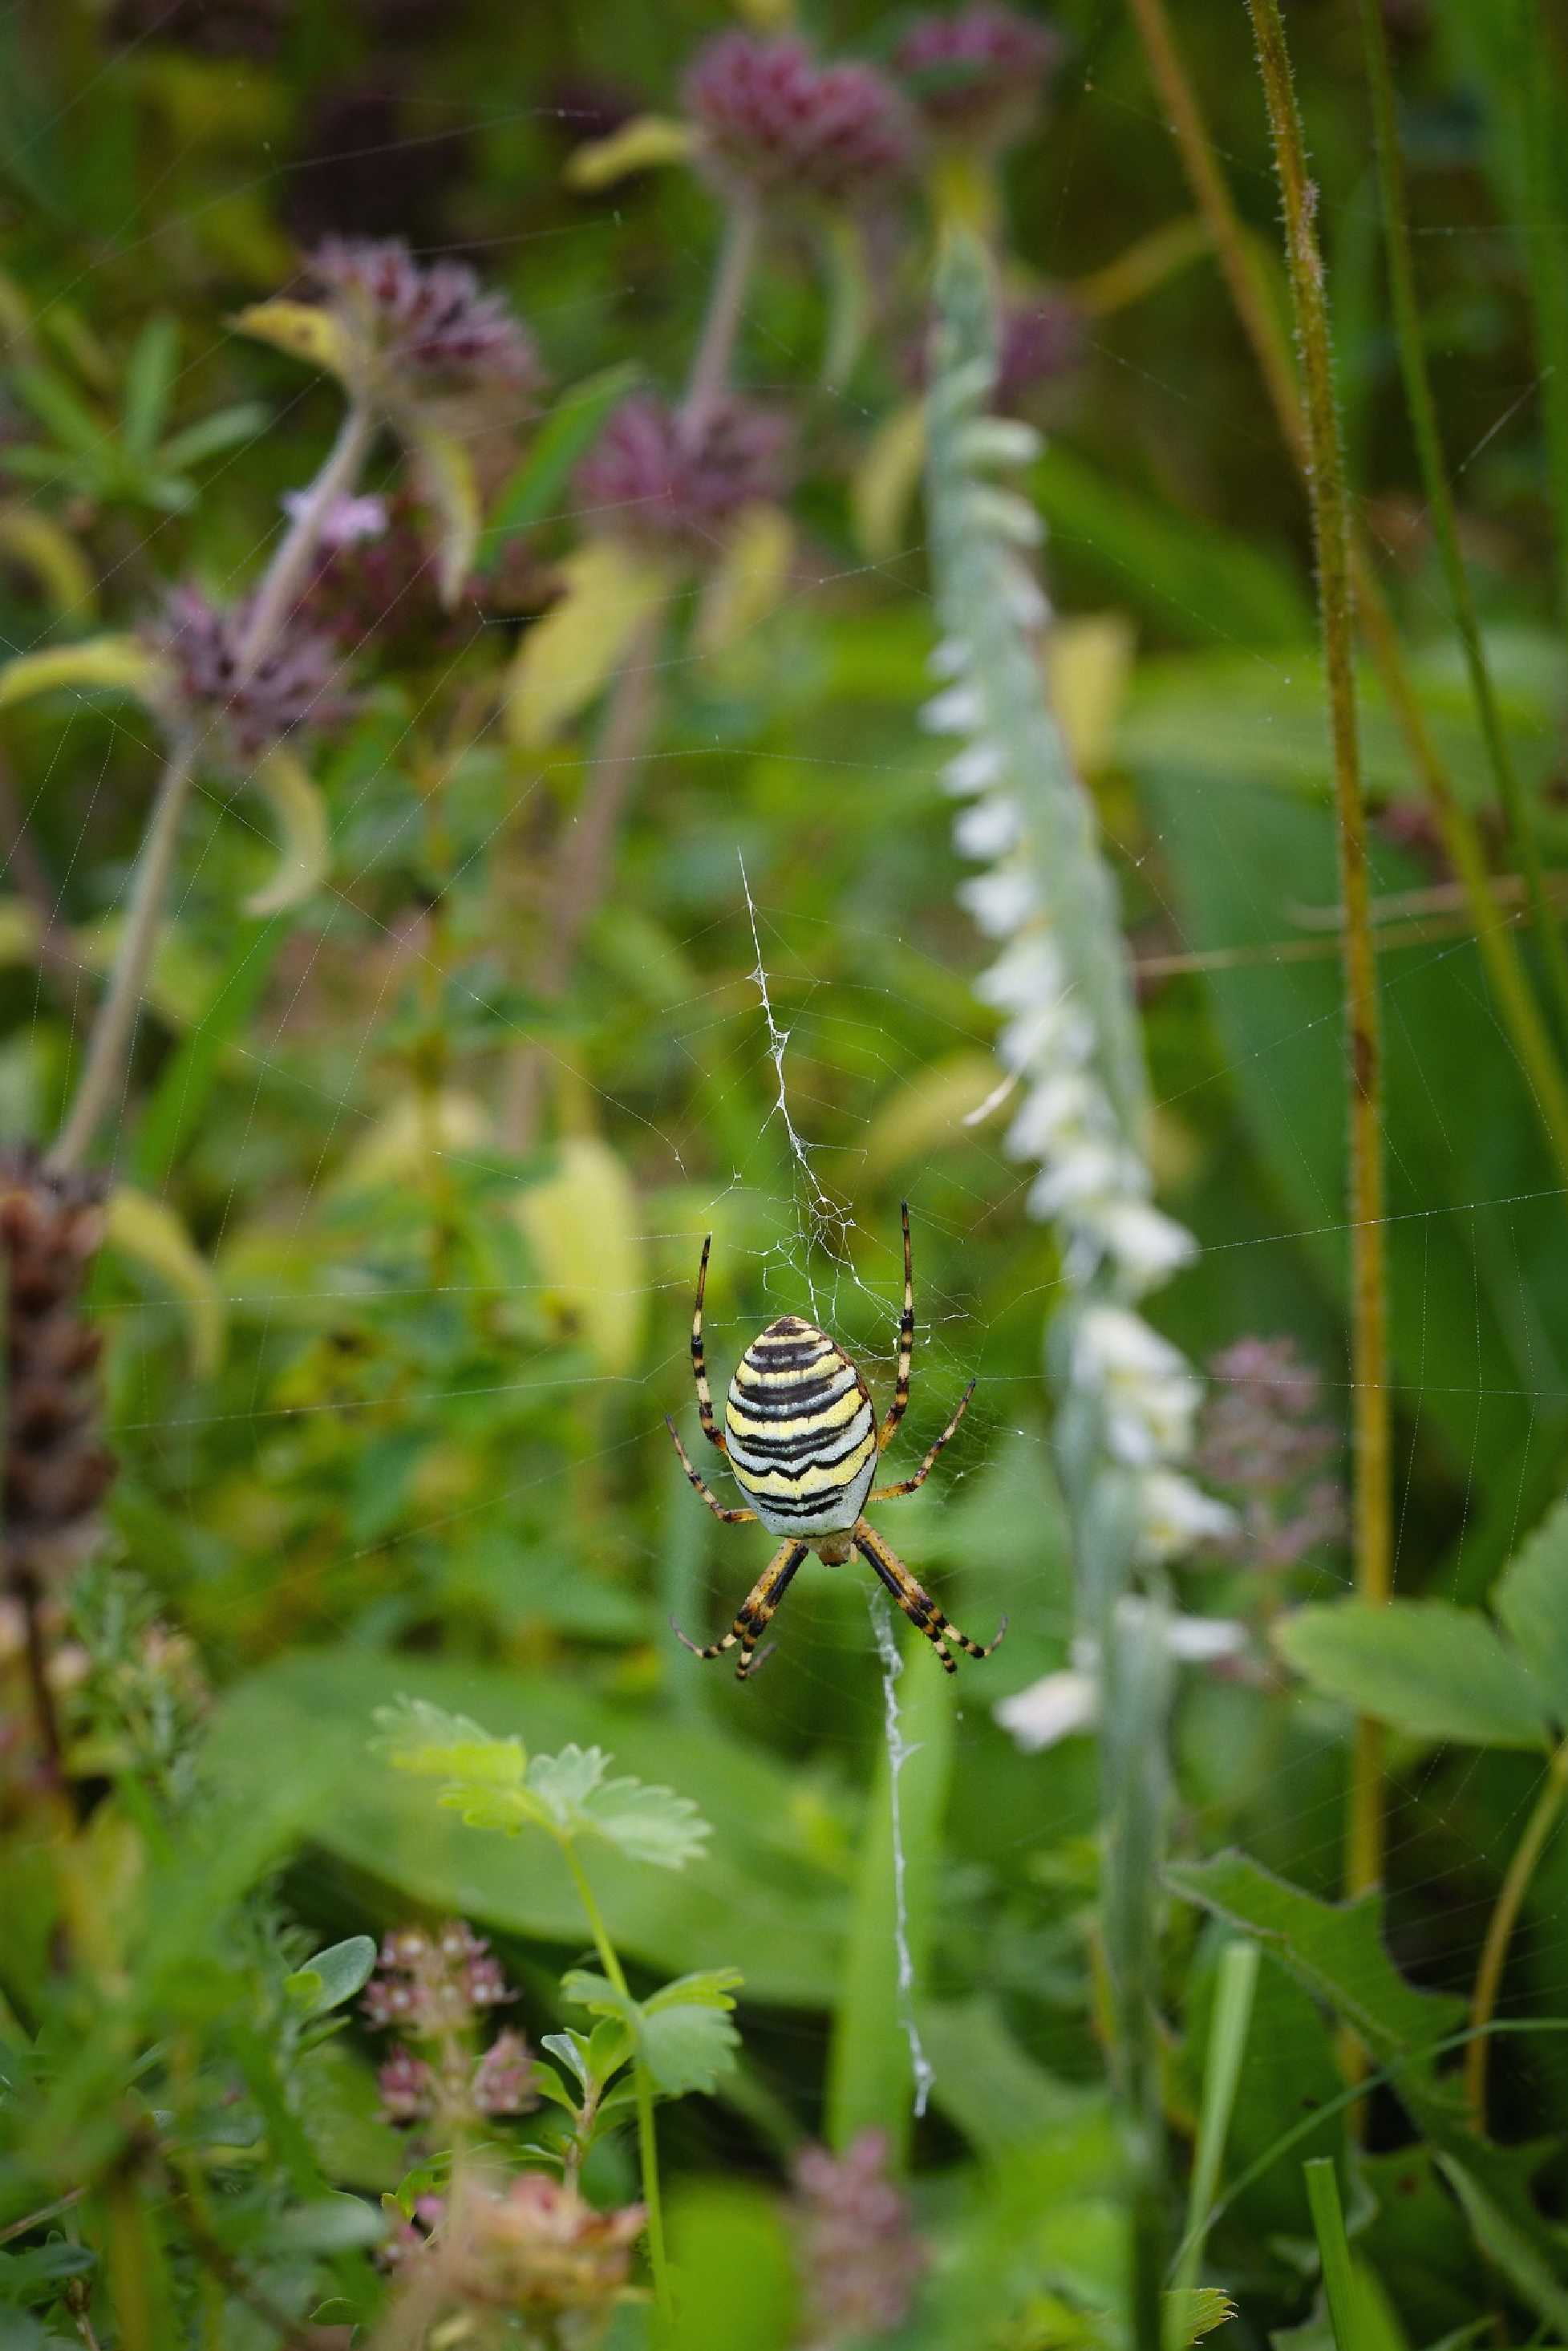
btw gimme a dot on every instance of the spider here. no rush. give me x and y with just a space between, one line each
801 1438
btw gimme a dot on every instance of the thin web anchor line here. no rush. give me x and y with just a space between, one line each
898 1754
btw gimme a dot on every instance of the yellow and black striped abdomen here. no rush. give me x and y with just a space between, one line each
800 1430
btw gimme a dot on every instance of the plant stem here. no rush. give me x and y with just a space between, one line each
292 559
1249 293
1369 1288
104 1073
647 2143
1439 494
1539 95
710 368
1334 2249
1500 1926
585 858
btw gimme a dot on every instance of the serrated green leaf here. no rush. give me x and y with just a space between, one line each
415 1736
1193 2311
682 2033
1531 1601
1431 1670
333 1975
646 1823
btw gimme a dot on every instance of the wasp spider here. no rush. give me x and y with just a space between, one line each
802 1438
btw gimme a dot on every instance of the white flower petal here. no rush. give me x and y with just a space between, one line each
998 440
1177 1516
1147 1244
1051 1710
1000 902
991 828
974 768
956 711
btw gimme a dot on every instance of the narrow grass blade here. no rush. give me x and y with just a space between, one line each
1333 2249
1221 2075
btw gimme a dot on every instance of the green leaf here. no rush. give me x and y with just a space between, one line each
1531 1601
333 2224
1336 1950
1193 2311
444 471
737 2283
333 1975
186 1081
244 420
149 380
769 1894
532 493
417 1736
1187 576
152 1235
121 664
646 1823
72 423
1431 1670
1334 2251
682 2033
305 841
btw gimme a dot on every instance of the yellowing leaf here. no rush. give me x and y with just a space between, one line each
1088 662
38 544
644 144
446 479
301 813
122 663
927 1115
585 1226
610 590
886 480
151 1236
303 329
752 575
401 1143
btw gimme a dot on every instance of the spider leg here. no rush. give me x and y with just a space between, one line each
755 1611
917 1606
730 1518
900 1403
907 1485
711 1429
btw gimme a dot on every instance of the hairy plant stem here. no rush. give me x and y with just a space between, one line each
1439 495
1249 294
1369 1285
1520 1869
289 567
647 2142
103 1073
108 1045
716 346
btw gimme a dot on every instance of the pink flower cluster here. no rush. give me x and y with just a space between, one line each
1263 1443
773 121
435 1987
649 477
860 2257
430 321
294 684
979 74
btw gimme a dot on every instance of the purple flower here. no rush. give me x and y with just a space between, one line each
647 476
407 2086
1263 1443
1042 340
773 121
293 685
977 75
502 2080
434 1984
859 2256
429 322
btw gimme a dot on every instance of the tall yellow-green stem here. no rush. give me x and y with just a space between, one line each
1369 1288
1517 1004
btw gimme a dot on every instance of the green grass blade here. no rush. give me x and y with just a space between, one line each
1333 2249
567 433
1221 2075
185 1086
